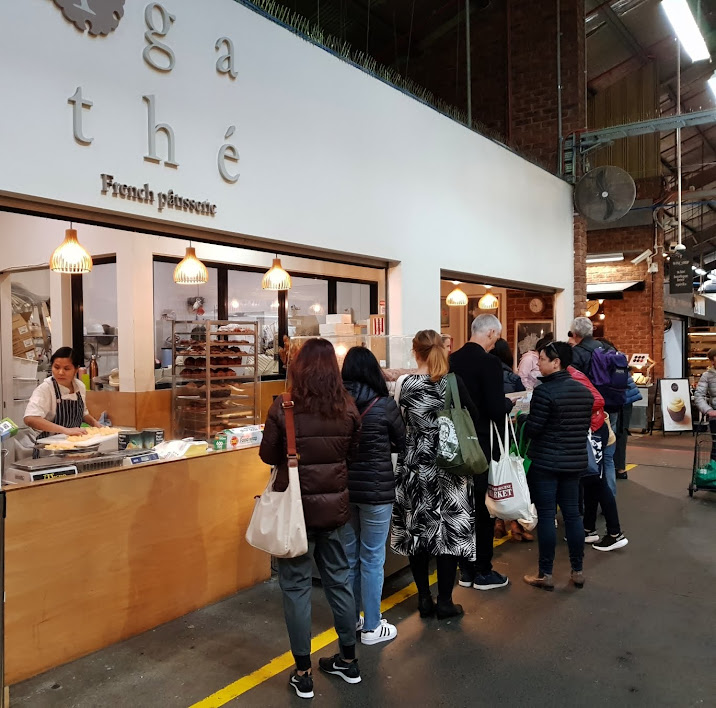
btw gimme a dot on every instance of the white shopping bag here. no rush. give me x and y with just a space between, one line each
508 497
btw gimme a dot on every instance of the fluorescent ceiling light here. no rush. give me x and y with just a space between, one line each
687 31
604 257
712 84
699 271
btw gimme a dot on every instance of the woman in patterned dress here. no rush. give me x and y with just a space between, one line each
433 514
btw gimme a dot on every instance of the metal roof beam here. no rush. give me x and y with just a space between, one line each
594 138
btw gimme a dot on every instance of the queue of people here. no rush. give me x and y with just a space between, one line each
348 427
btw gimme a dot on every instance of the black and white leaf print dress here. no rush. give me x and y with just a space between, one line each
433 512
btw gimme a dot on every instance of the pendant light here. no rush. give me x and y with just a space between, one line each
488 301
457 297
190 270
276 278
70 256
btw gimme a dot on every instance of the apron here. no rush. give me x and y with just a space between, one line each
68 414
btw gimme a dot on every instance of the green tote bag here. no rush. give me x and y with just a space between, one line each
459 450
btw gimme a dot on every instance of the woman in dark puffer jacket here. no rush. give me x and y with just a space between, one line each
327 428
371 485
558 423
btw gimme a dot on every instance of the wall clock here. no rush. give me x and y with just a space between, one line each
536 305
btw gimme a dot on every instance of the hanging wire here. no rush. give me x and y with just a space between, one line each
410 39
367 29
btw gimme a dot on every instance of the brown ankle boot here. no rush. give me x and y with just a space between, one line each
500 531
540 580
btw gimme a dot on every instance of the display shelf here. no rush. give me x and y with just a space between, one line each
206 401
701 339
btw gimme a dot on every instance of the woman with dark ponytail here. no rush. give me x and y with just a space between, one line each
433 514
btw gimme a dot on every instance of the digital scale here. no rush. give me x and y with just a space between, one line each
38 470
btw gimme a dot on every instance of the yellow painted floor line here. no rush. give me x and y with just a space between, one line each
630 467
285 661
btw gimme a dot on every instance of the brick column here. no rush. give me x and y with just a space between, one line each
580 265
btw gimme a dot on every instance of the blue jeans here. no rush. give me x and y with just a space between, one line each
549 489
610 471
364 537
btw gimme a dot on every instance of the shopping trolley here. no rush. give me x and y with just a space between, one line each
703 475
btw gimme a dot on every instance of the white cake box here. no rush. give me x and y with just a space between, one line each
338 319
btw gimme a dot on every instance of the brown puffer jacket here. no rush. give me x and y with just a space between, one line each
323 445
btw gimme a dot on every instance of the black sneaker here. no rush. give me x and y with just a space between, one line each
348 671
467 578
622 475
490 581
611 543
302 684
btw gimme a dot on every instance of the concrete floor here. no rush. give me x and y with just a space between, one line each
641 632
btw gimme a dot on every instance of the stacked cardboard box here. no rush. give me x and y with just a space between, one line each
337 325
23 344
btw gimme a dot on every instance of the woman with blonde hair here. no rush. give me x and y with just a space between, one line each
433 514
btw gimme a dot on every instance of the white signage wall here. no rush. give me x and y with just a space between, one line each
210 115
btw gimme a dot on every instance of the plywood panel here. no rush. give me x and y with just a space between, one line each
121 407
153 410
96 559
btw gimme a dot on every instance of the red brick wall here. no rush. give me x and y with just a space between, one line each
636 323
518 310
533 76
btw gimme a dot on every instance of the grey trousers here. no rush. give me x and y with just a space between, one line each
294 577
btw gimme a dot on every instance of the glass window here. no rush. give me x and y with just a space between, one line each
247 300
180 302
307 306
99 297
30 292
353 298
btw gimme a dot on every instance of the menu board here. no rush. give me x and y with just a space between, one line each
681 277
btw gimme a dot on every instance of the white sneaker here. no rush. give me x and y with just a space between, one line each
384 632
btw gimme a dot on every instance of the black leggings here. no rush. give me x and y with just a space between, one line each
447 567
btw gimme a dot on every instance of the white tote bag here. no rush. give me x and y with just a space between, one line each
277 525
508 497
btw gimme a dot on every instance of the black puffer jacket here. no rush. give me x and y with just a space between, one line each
370 472
560 414
511 381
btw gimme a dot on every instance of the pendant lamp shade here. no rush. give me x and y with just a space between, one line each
70 257
488 301
456 298
190 270
276 277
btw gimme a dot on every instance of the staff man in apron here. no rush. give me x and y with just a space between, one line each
57 405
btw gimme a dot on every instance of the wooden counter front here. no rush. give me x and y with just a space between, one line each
94 559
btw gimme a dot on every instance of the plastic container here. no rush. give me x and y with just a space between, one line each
23 388
24 368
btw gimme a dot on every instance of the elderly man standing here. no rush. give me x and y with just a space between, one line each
584 345
482 375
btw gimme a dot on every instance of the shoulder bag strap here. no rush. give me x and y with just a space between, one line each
369 406
290 430
493 427
453 394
